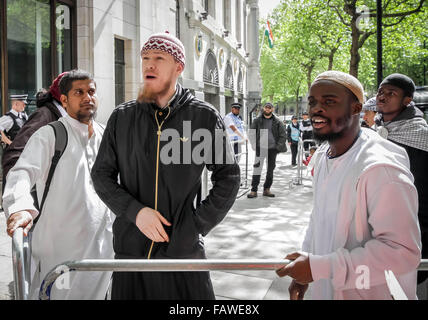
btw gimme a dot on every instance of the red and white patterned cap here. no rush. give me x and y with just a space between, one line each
168 43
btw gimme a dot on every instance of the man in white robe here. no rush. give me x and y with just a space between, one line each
364 219
74 224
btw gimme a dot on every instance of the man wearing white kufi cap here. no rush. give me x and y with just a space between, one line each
364 219
148 144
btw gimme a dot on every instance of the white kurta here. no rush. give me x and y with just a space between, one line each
364 220
75 224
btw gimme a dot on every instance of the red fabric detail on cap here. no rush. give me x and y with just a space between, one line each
54 88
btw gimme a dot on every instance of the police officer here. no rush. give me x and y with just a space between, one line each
307 131
11 122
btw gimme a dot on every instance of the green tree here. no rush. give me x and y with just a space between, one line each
350 14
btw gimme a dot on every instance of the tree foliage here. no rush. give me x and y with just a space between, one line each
312 36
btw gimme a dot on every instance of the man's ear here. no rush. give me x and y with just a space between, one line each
64 101
180 68
356 108
407 100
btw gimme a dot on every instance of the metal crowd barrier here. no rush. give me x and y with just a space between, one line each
154 265
300 154
21 265
22 280
244 176
244 181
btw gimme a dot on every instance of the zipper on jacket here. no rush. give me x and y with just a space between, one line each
159 133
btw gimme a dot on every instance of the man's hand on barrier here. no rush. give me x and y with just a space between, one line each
297 291
21 219
299 269
150 222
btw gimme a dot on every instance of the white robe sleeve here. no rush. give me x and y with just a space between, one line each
307 242
389 220
31 168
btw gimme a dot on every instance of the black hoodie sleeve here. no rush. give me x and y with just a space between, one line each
105 176
225 179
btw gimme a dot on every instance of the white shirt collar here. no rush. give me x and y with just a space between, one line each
79 126
60 108
14 112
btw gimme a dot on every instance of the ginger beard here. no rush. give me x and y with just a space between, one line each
148 93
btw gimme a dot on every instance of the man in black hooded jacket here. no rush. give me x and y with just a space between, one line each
154 146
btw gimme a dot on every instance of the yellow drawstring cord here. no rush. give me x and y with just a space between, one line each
159 133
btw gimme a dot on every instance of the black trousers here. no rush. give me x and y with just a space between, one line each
258 166
162 286
294 150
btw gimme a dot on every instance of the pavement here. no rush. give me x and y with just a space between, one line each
260 228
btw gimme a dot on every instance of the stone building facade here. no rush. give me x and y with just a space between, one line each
105 37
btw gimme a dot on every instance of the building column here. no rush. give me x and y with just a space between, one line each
254 83
85 39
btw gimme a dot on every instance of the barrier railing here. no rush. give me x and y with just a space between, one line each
21 272
244 175
21 267
154 265
301 152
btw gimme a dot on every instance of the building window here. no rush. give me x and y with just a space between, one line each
38 43
119 70
244 15
226 15
240 82
228 77
28 46
238 21
209 6
210 69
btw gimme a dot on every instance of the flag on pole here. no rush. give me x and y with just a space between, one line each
268 33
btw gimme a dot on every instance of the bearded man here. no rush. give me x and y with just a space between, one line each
364 219
268 138
154 199
74 224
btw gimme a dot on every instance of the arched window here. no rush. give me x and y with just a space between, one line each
210 69
240 82
228 77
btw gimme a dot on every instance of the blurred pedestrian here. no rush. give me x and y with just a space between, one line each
235 128
12 122
370 111
268 138
307 131
364 219
293 136
49 109
402 123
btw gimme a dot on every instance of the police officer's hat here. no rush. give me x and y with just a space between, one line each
19 97
236 105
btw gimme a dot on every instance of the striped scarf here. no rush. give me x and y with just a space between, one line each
409 129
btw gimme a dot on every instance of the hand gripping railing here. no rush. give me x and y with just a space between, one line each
21 271
154 265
